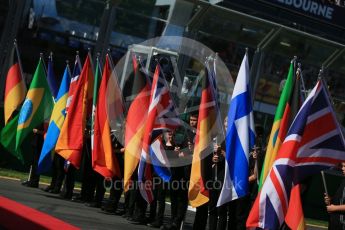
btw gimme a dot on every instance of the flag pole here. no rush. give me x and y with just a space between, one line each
19 60
91 62
304 90
78 59
68 68
324 182
44 65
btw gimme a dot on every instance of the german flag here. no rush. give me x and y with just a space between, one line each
201 164
103 160
15 89
71 139
135 125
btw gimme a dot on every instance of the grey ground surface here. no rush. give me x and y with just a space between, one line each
74 213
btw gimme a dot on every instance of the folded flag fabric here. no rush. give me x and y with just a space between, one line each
55 124
37 106
240 138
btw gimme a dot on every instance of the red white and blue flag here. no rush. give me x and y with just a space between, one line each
314 142
161 116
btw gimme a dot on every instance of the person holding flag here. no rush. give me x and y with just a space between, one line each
55 124
36 109
314 142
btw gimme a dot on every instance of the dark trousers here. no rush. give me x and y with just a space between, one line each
140 206
238 213
159 192
34 177
115 193
67 190
88 175
179 202
99 187
217 215
200 220
58 173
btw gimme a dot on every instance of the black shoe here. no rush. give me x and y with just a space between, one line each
110 210
155 224
25 183
77 199
139 220
30 184
47 189
172 226
55 191
93 204
119 212
66 196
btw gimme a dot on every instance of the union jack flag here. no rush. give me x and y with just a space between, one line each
314 142
162 115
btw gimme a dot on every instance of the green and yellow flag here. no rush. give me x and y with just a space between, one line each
275 140
37 106
8 138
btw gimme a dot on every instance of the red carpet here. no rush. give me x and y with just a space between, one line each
14 215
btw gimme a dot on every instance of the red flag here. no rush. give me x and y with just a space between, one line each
294 217
71 139
15 89
103 160
161 116
135 124
198 193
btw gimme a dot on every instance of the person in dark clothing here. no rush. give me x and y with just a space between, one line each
336 206
58 175
161 187
37 143
239 208
111 206
139 215
68 187
256 161
181 159
218 215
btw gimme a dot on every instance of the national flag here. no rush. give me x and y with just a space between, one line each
159 159
314 142
198 194
98 72
71 139
295 217
161 116
74 81
56 121
53 86
135 124
103 160
8 138
275 140
240 138
37 106
15 88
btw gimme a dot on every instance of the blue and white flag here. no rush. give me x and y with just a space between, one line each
55 124
240 138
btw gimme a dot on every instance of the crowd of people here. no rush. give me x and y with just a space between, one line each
179 146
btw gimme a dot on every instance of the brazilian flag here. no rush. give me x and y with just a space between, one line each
37 106
8 138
